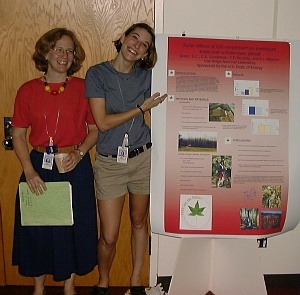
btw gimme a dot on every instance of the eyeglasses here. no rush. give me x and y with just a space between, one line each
60 51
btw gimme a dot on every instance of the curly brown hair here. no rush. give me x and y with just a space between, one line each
48 41
150 60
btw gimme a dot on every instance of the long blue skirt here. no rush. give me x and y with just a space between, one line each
60 250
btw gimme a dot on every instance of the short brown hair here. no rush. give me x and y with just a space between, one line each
150 60
48 41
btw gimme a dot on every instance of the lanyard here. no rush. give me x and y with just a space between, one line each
126 135
55 130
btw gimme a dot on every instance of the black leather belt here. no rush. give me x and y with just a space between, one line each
134 152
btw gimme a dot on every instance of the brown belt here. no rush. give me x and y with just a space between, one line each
65 149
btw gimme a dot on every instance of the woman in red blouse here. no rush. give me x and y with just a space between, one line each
54 108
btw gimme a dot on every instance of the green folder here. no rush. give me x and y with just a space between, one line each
53 207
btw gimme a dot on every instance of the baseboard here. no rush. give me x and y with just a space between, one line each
271 281
282 281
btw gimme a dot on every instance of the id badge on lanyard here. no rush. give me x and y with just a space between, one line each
49 155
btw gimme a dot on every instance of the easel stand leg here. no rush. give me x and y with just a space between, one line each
222 266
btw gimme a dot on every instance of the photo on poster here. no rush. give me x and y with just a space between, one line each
249 218
221 112
195 212
221 171
270 219
195 141
271 196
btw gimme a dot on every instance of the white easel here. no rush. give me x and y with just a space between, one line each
219 266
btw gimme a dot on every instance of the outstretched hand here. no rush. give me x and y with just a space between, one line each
153 101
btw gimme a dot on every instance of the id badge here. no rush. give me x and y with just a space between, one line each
122 154
48 161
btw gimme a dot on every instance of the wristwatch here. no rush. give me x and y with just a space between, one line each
81 153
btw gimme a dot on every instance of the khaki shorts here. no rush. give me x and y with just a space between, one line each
113 179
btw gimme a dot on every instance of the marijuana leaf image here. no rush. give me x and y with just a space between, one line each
196 211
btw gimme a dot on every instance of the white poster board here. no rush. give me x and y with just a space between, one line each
234 103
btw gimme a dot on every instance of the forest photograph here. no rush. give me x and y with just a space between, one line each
195 141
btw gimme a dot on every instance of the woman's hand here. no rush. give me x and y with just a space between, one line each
153 101
35 183
71 161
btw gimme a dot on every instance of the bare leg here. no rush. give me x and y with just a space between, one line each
39 285
110 212
69 288
139 210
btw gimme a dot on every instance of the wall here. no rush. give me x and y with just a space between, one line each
255 19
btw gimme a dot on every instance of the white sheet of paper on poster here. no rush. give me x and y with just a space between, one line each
230 103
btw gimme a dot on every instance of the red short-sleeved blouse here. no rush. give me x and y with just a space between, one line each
64 116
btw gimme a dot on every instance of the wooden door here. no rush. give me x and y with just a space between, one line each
97 23
2 273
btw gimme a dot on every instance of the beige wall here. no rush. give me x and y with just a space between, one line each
255 19
232 18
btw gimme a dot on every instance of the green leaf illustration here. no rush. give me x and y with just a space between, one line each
196 211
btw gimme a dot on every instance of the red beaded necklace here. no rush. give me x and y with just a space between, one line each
55 92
